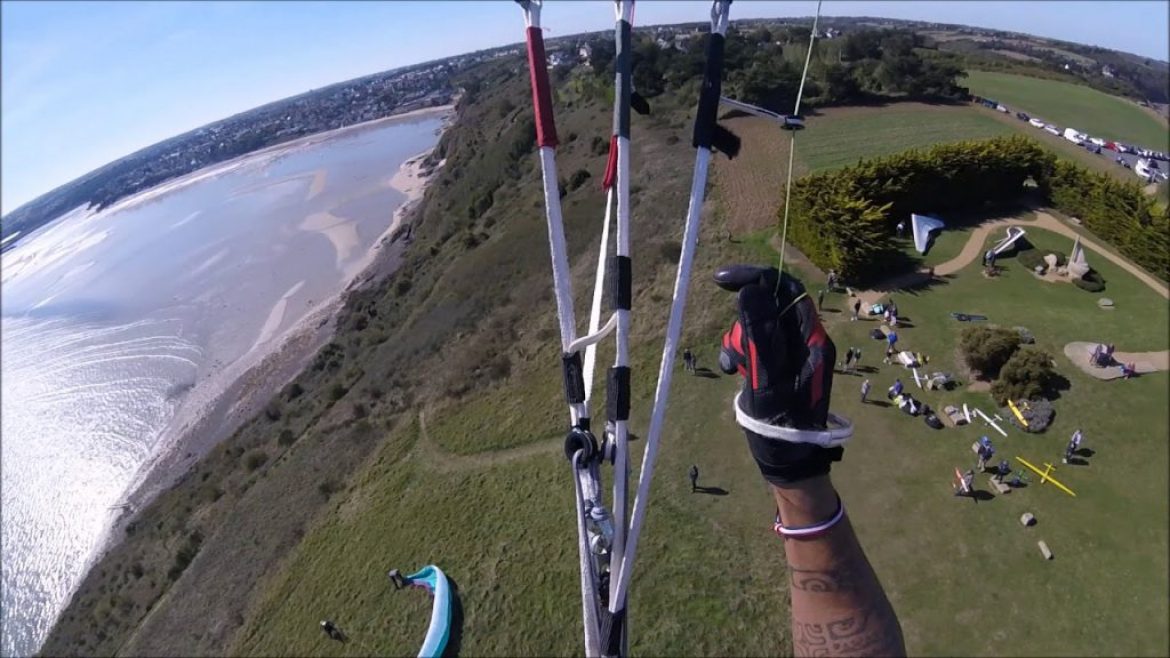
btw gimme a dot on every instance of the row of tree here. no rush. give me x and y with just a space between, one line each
843 219
1119 212
764 67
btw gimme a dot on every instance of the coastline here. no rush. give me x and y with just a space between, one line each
253 379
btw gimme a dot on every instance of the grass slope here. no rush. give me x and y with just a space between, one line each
1069 105
442 445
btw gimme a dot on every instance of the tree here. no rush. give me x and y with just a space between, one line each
1027 375
987 349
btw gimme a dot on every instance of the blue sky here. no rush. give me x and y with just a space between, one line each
84 83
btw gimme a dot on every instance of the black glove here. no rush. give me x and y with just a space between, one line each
786 359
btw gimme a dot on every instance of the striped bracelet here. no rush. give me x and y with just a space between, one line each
813 530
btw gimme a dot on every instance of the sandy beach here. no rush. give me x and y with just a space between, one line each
240 389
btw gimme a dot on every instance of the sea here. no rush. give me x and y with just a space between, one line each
116 324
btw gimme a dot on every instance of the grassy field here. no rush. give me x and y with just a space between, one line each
965 577
430 434
842 136
1068 105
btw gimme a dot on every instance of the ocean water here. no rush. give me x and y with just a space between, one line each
116 324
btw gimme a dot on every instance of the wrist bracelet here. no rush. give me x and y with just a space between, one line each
806 531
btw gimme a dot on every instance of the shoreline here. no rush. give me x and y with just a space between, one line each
270 365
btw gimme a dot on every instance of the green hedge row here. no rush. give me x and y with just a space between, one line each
844 219
1119 212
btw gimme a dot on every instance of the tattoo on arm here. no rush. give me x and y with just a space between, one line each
845 578
870 632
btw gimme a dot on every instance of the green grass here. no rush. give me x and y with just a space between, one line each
1068 105
485 492
966 578
841 138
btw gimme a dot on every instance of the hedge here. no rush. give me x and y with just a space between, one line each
1119 212
844 219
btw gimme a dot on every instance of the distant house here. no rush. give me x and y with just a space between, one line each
585 53
1108 71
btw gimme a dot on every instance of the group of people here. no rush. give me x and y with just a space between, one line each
852 358
690 361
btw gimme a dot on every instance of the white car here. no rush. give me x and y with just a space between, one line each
1001 108
1097 140
1049 128
1036 122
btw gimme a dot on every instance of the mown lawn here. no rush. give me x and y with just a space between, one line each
1071 106
965 577
842 136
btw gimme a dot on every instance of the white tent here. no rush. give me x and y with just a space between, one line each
922 226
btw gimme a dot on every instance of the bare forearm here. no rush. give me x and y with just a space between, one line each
838 605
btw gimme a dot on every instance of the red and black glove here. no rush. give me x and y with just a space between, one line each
786 359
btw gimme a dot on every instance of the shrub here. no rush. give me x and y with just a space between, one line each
670 251
255 459
1091 282
359 410
578 178
1038 413
599 145
987 349
337 392
1027 375
286 438
272 411
294 391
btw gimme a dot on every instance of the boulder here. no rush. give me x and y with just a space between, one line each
1026 519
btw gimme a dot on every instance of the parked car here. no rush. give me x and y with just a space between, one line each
1073 136
1049 128
1001 108
1123 148
1097 140
1111 146
1036 122
1022 116
1122 161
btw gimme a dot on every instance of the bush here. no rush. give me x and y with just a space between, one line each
1038 413
599 146
670 251
286 438
987 349
1027 375
337 392
578 178
255 459
1091 282
272 411
294 391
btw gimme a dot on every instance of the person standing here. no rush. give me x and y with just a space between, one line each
397 578
694 475
821 299
848 359
900 228
856 309
687 356
896 389
864 391
856 357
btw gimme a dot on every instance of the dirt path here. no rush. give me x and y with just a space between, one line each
432 454
974 248
1144 362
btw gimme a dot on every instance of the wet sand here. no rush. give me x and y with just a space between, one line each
277 356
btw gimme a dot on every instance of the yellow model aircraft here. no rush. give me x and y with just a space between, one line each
1016 411
1045 475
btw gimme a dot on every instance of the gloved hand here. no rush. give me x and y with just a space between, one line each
786 359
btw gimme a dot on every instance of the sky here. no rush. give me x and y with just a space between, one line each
85 83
